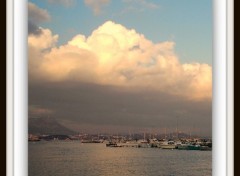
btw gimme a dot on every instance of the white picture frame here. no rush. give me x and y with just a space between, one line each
17 86
223 88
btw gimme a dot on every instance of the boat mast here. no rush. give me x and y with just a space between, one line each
165 133
177 127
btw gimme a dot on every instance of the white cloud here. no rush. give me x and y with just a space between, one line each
115 55
96 5
38 45
44 41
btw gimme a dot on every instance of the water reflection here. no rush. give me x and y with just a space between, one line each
74 158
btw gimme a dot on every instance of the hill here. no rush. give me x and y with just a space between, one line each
47 125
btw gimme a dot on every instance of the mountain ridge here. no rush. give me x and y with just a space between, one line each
47 125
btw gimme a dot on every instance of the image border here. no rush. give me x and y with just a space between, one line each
17 86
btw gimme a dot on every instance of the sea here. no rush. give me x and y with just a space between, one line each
73 158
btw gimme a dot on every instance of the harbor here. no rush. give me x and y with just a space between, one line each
197 144
140 141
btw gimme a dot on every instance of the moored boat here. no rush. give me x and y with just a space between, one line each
182 146
193 147
168 145
111 144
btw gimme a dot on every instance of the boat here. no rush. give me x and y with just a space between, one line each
182 147
193 147
130 144
154 142
86 141
91 141
33 138
97 141
168 145
144 145
111 144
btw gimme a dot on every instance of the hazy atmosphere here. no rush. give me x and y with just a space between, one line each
126 66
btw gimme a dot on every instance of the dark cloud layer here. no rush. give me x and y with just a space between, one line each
35 17
33 29
93 106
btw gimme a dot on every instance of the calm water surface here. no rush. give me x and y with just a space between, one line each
77 159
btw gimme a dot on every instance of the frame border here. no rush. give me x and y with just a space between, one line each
17 147
17 118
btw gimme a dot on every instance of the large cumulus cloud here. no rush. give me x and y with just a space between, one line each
115 55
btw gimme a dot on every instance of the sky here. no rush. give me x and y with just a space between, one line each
121 65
